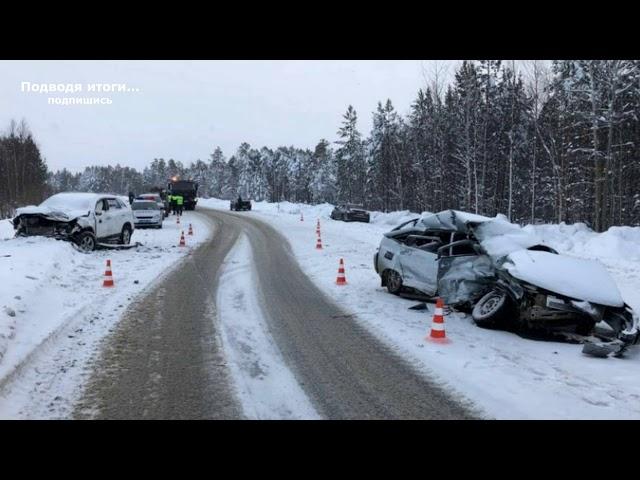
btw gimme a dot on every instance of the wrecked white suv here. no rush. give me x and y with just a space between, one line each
87 219
508 277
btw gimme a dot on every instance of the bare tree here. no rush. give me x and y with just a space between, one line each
538 79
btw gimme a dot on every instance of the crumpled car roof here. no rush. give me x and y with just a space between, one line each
496 235
452 220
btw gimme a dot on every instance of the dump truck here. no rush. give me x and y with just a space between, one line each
187 188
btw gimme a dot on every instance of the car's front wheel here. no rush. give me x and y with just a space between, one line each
394 282
491 309
125 236
86 241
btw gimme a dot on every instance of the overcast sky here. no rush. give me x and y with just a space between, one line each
184 109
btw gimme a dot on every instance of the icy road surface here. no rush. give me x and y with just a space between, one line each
505 375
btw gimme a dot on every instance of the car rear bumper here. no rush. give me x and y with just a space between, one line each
141 223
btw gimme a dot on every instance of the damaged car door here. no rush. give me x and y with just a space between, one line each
464 273
418 260
104 220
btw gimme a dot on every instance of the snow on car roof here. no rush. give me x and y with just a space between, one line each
73 200
577 278
497 235
71 204
83 195
452 220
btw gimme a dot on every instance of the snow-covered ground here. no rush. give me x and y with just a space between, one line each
266 388
54 310
505 375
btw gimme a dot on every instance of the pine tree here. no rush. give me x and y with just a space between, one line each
350 160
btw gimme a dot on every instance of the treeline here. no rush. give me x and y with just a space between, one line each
23 172
538 142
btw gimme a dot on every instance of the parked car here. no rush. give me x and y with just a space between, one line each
155 197
147 213
505 275
240 205
83 218
350 213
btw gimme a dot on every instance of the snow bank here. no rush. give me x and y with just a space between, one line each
322 211
616 243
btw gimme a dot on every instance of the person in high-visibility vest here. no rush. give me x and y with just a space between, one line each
173 201
179 203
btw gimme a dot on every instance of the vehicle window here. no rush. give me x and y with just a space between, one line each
145 205
402 238
113 203
457 250
459 236
431 246
463 250
443 235
420 241
121 203
101 206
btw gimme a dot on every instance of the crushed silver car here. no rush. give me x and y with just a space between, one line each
508 277
86 219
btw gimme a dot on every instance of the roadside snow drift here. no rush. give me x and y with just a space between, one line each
505 375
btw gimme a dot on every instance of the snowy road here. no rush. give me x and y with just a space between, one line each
165 361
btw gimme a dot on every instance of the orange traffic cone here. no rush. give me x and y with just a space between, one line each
108 276
190 230
182 242
301 217
178 219
341 280
319 242
318 227
437 326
